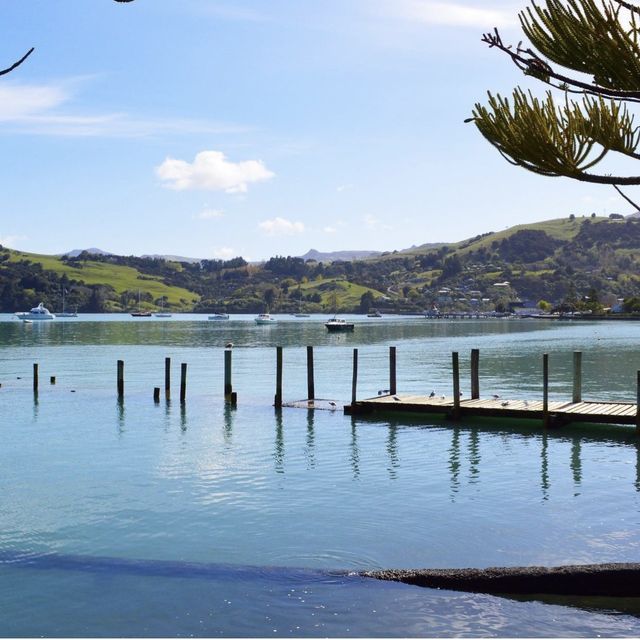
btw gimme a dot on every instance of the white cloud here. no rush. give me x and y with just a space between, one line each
212 171
281 227
343 187
330 230
224 253
45 109
210 214
454 14
10 240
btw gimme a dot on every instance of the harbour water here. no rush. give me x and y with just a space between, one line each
166 520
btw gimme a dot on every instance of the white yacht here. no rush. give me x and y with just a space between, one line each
265 318
37 313
338 324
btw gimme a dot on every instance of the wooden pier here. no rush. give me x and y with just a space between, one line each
558 413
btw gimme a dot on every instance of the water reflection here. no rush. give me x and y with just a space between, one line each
454 462
227 429
392 451
544 466
120 415
183 416
278 450
576 461
355 453
474 456
309 451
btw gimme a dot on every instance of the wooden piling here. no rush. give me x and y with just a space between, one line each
545 389
577 376
52 380
35 376
392 371
354 379
120 381
277 403
156 395
228 387
475 374
311 394
183 382
455 366
167 378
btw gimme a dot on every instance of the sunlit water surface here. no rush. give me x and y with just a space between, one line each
148 519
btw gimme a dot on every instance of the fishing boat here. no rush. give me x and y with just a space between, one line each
37 313
219 316
265 318
336 325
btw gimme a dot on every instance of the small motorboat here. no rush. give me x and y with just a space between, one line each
37 313
374 314
141 314
265 318
338 324
219 316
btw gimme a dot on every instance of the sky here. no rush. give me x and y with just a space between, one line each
218 128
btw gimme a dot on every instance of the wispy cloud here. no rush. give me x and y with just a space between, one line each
281 227
47 109
10 240
330 230
211 171
224 253
210 214
454 14
374 224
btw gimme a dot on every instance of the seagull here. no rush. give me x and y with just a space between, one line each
432 394
496 396
442 397
396 399
331 402
229 345
504 404
381 392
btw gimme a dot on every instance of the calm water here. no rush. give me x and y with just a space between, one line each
161 520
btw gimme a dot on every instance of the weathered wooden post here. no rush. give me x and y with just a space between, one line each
638 403
392 371
156 395
545 390
167 378
475 374
183 382
577 376
52 380
120 381
228 387
277 403
456 384
35 376
354 379
311 393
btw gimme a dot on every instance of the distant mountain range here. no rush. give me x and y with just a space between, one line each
74 253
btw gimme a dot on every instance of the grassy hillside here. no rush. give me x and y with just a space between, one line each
121 278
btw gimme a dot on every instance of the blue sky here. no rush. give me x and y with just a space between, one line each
211 128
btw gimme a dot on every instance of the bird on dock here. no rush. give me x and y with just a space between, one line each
504 404
442 397
382 392
396 399
496 396
332 404
432 394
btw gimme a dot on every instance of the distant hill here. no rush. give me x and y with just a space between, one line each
171 258
332 256
74 253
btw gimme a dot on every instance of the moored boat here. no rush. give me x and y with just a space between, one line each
37 313
338 324
219 316
265 318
